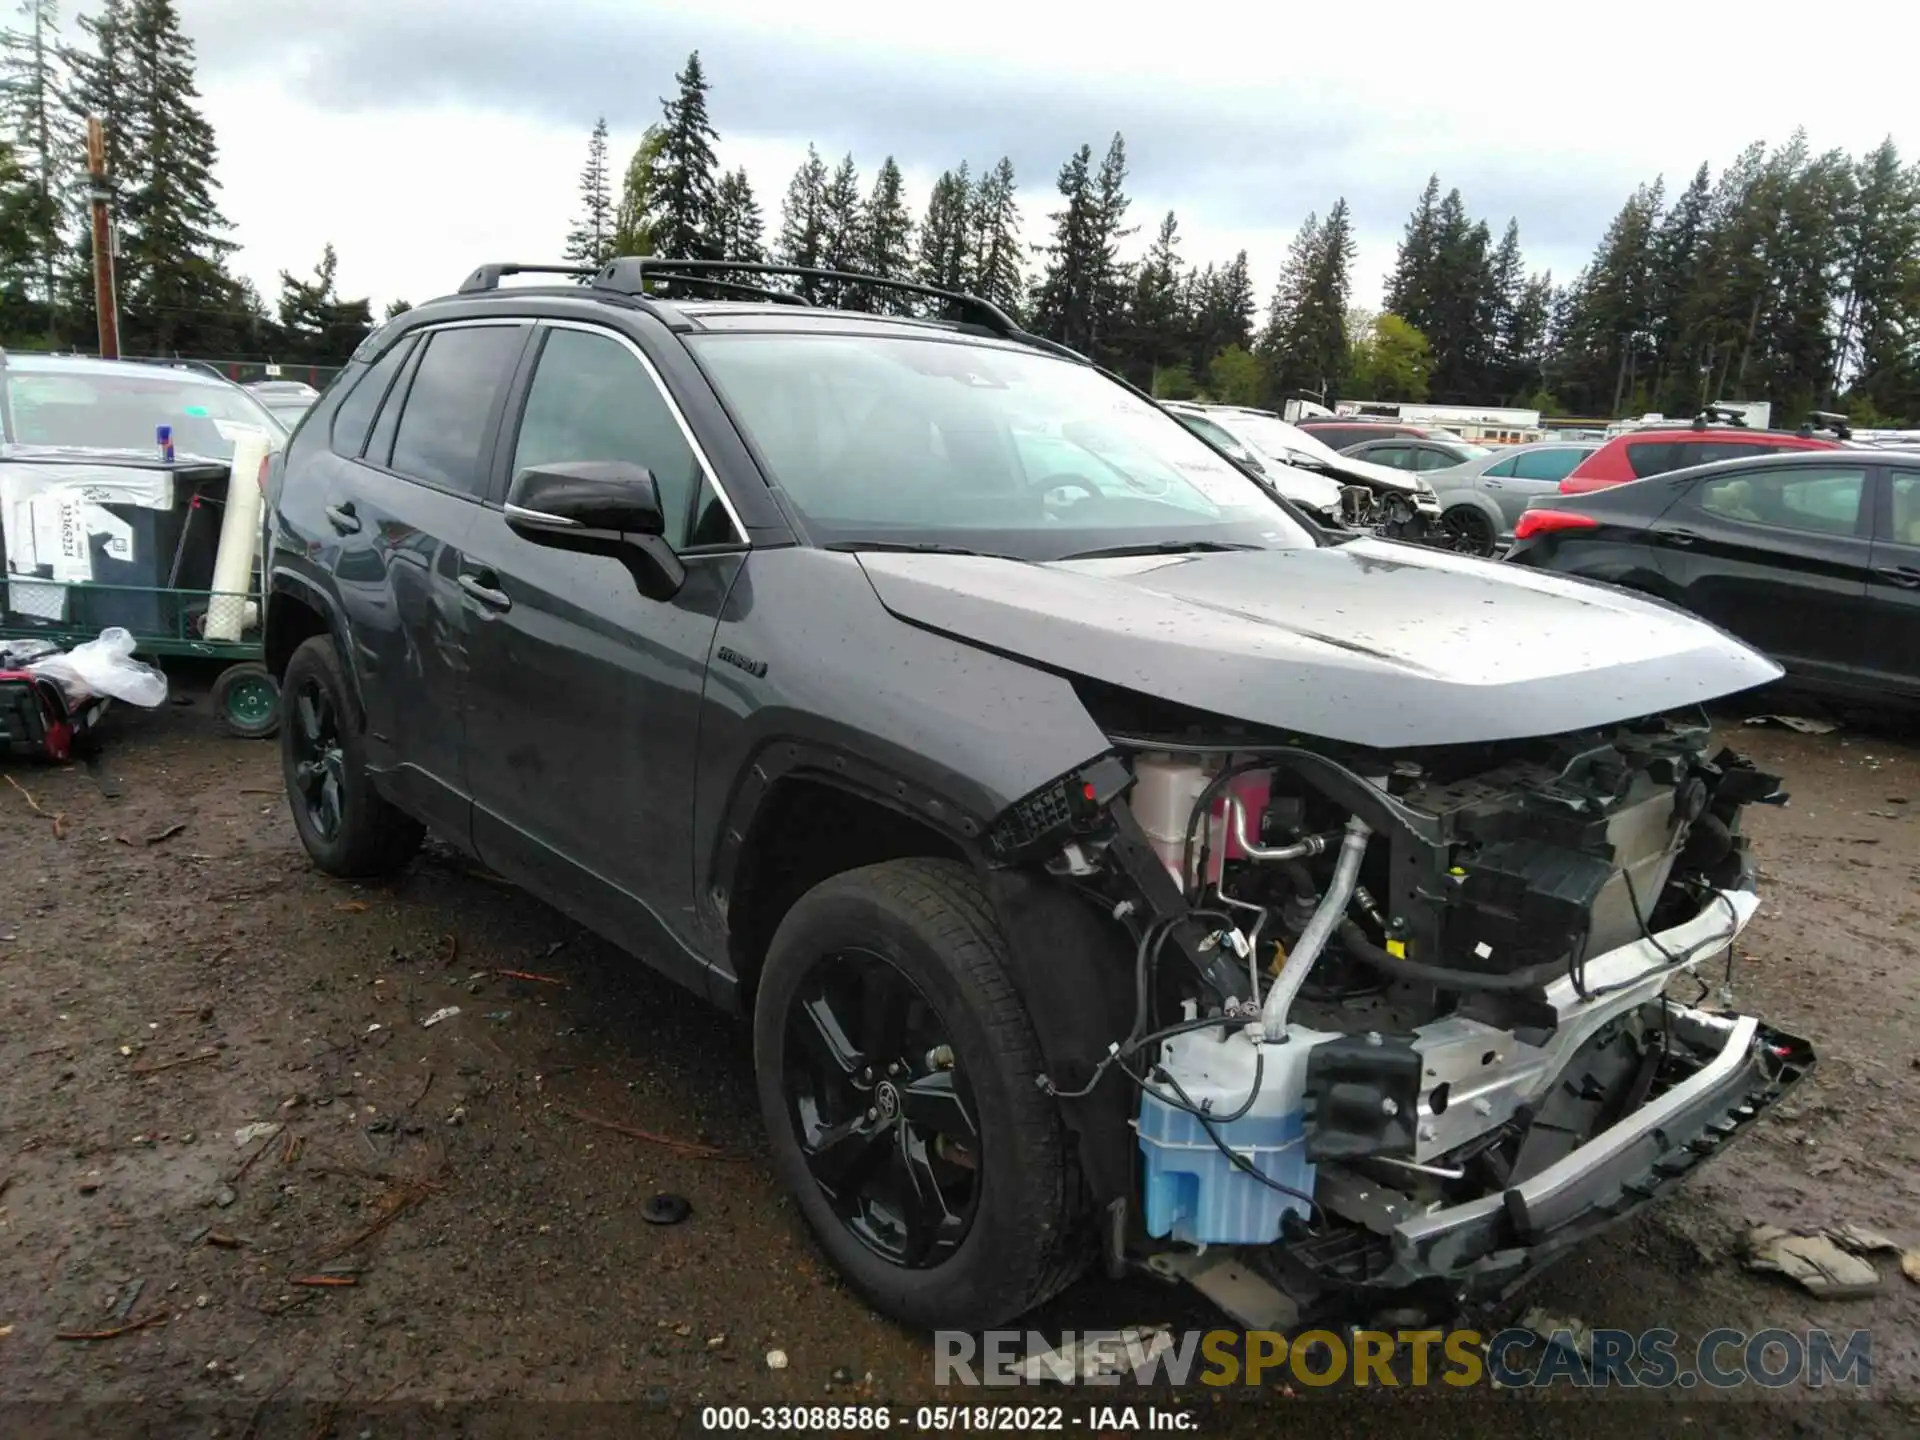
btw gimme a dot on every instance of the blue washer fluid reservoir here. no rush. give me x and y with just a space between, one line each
1194 1193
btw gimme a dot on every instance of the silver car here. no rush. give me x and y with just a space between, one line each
1481 499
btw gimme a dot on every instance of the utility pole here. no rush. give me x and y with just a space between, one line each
105 303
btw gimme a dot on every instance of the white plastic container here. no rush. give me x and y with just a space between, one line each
1165 790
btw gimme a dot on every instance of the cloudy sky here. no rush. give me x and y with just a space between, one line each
424 136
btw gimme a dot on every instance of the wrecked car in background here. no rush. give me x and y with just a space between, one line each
1109 864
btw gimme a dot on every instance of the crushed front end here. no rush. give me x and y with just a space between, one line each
1406 1027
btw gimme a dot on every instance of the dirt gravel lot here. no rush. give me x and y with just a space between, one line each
463 1198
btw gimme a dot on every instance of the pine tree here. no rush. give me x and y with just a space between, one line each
887 230
1158 333
633 215
944 261
590 242
398 308
1066 297
1878 343
33 85
172 282
1407 287
684 187
1111 276
100 85
844 241
995 250
803 222
1678 250
738 227
1305 344
319 326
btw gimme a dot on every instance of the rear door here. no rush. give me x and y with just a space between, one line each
1779 557
585 694
1518 478
1892 658
400 511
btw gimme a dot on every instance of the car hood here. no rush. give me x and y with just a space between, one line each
1369 642
1305 487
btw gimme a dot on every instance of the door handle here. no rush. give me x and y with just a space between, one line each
1675 534
1904 576
342 518
1493 484
476 585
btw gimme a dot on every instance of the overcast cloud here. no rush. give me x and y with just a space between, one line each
423 136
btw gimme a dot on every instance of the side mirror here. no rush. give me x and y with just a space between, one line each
598 507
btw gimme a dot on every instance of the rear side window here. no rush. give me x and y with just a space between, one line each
1546 464
1398 456
1823 499
1657 457
1507 467
451 404
350 421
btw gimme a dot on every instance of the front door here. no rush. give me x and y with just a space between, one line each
1892 659
1779 557
401 508
584 704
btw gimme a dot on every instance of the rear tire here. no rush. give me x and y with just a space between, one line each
347 827
925 928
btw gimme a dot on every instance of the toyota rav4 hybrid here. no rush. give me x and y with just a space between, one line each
1110 865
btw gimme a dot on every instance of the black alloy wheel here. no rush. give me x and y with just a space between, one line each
886 1125
319 772
1468 532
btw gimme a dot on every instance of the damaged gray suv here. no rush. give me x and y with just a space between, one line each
1115 862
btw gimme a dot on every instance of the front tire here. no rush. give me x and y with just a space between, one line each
348 829
1469 531
896 1067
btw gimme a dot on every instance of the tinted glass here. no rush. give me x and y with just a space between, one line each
1657 457
1544 464
454 396
991 448
592 399
1434 459
1505 468
1823 498
1398 456
355 414
1905 511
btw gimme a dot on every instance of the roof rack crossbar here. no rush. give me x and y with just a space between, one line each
488 277
628 274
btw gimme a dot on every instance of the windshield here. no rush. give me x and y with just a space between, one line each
897 440
98 410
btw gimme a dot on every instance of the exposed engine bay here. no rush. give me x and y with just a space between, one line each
1401 1023
1390 514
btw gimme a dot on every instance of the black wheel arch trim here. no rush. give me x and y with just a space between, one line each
296 586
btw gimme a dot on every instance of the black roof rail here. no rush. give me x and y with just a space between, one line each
731 287
628 274
488 277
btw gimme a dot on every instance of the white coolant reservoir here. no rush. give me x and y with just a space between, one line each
1165 790
1194 1192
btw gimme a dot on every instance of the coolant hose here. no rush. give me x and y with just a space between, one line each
1332 909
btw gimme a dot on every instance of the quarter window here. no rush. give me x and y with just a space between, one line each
1904 491
1546 464
355 414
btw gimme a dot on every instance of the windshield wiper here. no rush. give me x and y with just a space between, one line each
1158 547
910 547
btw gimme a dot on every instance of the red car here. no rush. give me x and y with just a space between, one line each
1640 453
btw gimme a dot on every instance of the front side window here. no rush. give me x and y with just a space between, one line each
1435 460
1398 456
885 438
450 404
592 399
1822 499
